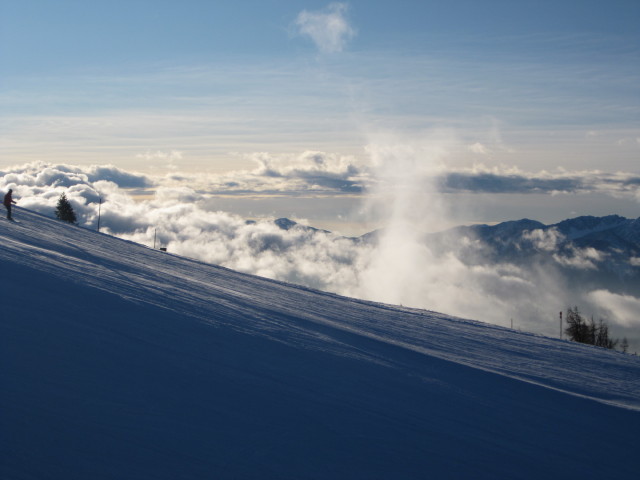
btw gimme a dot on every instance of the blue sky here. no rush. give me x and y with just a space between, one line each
201 86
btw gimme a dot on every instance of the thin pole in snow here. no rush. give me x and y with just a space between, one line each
560 325
512 324
154 238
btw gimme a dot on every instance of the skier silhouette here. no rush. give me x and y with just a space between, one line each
8 200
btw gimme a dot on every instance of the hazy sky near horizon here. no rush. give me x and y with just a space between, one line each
203 86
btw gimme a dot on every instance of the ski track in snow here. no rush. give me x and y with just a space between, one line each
228 375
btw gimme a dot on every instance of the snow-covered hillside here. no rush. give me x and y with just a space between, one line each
122 362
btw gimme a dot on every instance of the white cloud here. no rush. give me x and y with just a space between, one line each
624 309
478 148
329 29
547 240
580 258
310 173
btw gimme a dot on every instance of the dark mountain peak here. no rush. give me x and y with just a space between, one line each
285 223
509 229
515 226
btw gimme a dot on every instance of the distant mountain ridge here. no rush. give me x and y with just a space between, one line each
287 224
584 226
599 252
610 234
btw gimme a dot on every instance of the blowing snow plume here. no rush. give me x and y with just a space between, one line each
406 266
463 271
404 197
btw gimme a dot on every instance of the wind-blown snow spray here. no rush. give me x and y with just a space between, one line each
405 268
405 197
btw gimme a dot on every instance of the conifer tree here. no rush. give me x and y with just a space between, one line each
64 210
577 329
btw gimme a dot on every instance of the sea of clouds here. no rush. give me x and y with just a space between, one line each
401 184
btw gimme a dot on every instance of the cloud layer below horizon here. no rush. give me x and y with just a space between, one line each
179 212
320 173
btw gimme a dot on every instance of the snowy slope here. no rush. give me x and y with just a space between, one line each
119 361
